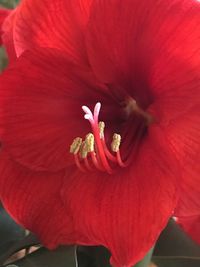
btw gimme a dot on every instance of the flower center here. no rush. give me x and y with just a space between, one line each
92 152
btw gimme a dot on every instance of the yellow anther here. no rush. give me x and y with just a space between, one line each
75 146
116 142
89 140
101 129
83 150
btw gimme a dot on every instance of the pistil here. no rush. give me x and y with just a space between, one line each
93 153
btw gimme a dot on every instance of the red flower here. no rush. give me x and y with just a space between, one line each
3 14
141 61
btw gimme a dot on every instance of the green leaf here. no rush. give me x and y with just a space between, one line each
62 257
9 3
12 247
10 233
146 261
12 236
100 256
175 242
176 249
93 256
3 59
9 230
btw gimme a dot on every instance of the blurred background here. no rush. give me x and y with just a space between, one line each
9 3
6 4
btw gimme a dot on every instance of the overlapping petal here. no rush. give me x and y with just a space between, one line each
184 135
149 48
130 207
33 199
57 24
157 51
41 99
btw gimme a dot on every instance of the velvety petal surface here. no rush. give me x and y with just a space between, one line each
127 210
3 14
33 200
41 97
151 49
184 136
57 24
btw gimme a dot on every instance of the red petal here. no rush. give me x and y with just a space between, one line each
174 77
3 14
56 24
41 98
33 199
191 225
147 46
126 211
109 37
184 136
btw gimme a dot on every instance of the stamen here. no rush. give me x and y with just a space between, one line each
93 151
115 148
83 150
96 162
87 164
75 146
116 142
101 129
107 152
90 142
78 164
94 124
119 160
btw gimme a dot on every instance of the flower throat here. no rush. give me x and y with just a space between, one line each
93 153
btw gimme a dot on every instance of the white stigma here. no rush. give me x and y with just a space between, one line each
88 114
97 110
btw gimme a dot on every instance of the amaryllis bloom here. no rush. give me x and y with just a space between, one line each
100 116
3 14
